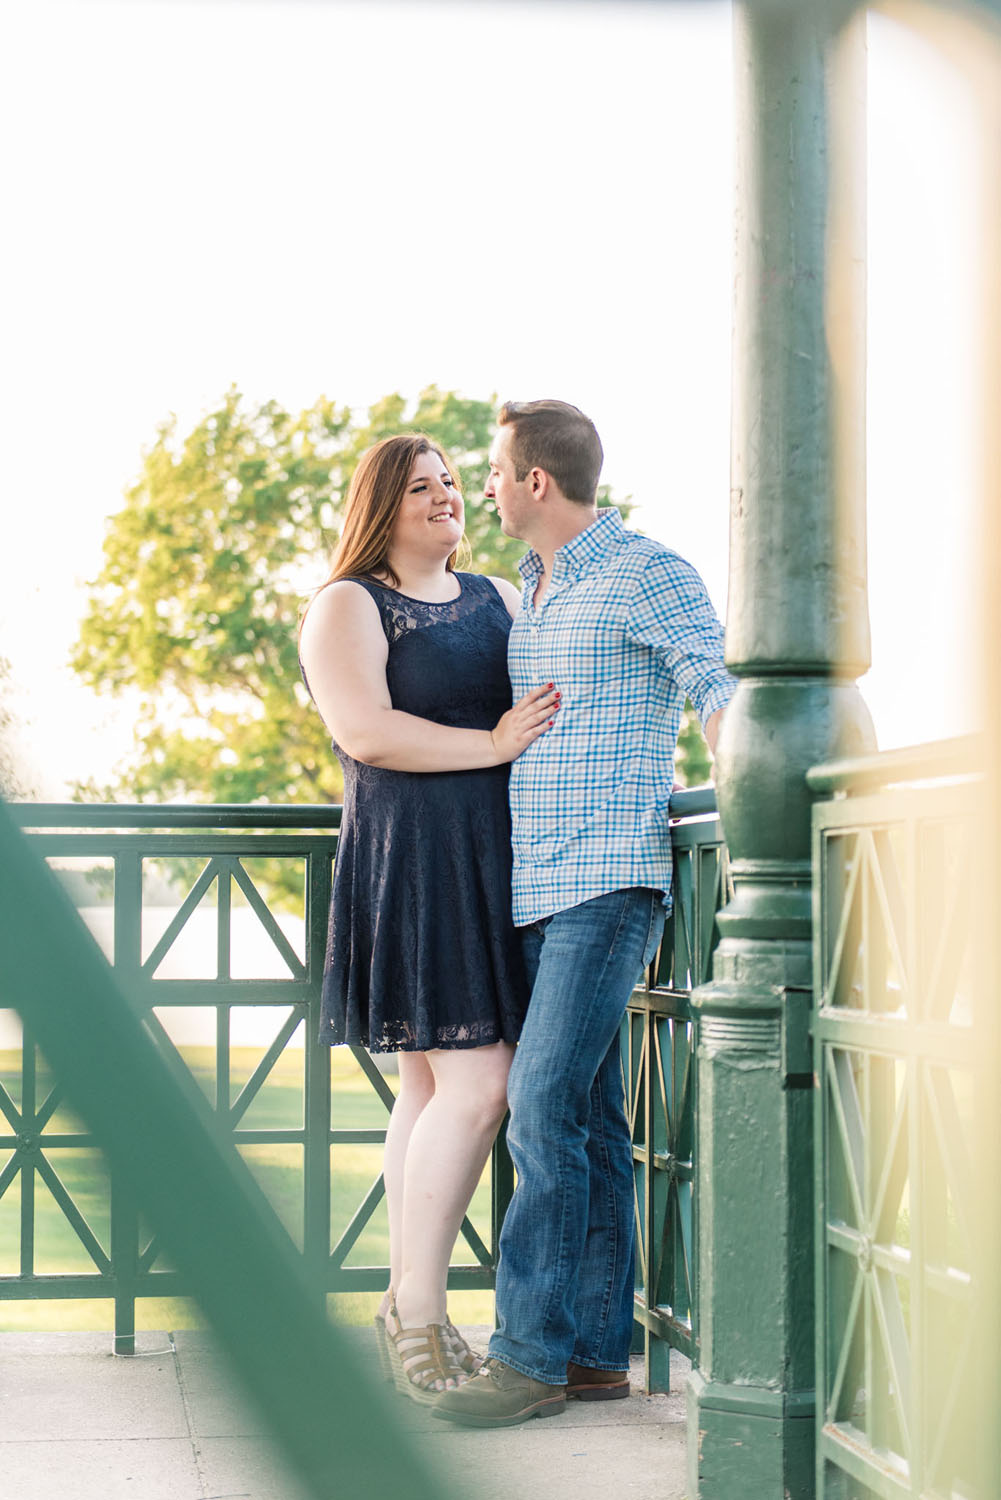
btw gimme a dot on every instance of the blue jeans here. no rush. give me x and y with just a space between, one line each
565 1274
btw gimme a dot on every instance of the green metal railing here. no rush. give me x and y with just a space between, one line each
659 1062
902 1050
218 850
129 1262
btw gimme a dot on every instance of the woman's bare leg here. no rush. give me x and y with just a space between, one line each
449 1142
415 1091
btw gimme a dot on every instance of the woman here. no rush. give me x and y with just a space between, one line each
406 660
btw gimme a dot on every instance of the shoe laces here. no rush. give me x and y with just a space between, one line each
500 1373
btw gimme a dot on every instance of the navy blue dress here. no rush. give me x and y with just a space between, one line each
421 950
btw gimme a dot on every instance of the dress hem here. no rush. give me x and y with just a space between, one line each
451 1046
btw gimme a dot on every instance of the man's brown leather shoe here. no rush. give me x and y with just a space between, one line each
499 1397
596 1385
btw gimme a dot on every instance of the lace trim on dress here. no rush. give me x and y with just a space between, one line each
401 614
399 1036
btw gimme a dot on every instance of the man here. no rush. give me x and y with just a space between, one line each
625 629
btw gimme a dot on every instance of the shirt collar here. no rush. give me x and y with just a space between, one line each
576 556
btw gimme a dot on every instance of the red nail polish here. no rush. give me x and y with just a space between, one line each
550 684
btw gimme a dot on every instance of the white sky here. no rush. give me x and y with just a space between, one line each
508 199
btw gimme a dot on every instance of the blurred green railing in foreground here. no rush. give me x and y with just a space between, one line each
220 853
335 1426
907 1065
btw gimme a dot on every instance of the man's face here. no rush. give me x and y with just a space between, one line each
512 497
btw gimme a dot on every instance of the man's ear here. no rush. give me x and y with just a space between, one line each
539 481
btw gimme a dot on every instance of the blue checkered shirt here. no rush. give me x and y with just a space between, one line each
626 631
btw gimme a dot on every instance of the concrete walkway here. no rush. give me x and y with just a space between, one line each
78 1424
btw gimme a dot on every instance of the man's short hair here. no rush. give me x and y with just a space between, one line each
557 437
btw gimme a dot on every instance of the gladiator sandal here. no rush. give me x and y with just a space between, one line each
466 1358
382 1342
422 1361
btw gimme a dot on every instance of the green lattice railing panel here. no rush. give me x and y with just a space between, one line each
896 1058
202 929
658 1054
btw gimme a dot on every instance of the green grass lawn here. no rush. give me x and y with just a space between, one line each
278 1169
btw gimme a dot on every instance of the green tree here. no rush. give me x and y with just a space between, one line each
195 607
206 568
693 761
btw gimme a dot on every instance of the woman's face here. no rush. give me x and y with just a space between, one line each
430 517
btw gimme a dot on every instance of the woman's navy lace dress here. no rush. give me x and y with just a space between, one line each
421 951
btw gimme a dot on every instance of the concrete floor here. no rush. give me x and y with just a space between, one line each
78 1424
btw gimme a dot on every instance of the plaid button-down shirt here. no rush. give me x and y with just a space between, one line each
625 630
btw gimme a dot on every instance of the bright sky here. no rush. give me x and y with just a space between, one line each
508 199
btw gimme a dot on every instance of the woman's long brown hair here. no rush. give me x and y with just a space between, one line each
375 495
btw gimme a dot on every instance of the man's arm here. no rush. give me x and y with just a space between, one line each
672 613
711 730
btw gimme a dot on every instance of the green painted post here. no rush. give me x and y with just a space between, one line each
124 1262
797 637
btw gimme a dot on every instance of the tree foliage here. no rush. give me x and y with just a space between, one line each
206 568
693 761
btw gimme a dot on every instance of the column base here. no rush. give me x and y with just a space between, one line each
746 1440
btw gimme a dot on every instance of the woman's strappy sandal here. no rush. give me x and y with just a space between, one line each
421 1359
467 1359
382 1343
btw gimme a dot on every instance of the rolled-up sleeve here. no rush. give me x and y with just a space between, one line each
671 613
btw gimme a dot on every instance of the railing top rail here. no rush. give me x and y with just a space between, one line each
695 803
940 760
699 802
176 815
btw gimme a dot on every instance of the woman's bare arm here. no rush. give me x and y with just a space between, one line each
509 594
344 653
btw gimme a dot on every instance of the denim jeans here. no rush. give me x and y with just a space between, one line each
565 1274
